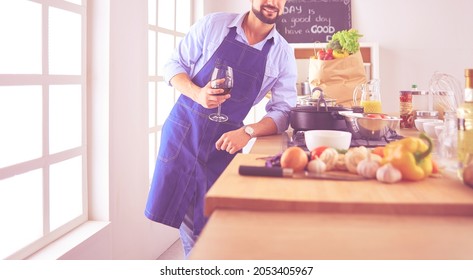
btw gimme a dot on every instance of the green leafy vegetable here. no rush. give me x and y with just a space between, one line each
346 40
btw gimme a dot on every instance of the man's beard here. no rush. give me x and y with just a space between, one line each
259 14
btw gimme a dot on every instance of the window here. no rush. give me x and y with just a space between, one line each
43 153
169 21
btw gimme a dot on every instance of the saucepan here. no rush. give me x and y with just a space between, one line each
318 117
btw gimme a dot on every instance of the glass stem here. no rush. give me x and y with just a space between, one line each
218 110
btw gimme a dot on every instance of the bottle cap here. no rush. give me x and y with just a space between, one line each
468 72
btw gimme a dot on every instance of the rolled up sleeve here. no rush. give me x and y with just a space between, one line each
187 53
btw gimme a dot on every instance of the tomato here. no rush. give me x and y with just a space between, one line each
329 51
321 54
435 167
373 116
328 56
315 153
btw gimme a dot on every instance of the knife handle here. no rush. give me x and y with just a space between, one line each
264 171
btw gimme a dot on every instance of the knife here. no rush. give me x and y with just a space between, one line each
247 170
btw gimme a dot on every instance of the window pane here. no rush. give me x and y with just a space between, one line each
166 14
20 124
165 101
152 53
20 29
65 190
78 2
166 47
152 104
184 15
64 42
21 211
152 12
65 117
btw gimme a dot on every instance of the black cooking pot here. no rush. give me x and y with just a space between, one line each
319 117
311 118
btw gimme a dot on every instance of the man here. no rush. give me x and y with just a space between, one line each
194 150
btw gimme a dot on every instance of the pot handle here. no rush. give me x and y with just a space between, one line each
320 99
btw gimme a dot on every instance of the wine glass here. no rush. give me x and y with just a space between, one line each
222 77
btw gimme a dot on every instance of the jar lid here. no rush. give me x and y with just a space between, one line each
420 92
427 114
468 72
414 92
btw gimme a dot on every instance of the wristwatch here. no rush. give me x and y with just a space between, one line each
249 130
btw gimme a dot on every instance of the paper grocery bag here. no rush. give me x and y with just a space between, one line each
338 77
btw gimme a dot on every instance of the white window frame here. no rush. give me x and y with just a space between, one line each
45 80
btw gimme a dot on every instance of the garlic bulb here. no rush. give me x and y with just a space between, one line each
388 174
316 166
468 175
330 157
353 156
367 167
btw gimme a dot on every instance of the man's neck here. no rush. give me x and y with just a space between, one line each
255 30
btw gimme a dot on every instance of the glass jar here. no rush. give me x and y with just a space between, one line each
406 112
448 142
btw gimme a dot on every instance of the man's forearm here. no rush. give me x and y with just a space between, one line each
182 83
265 126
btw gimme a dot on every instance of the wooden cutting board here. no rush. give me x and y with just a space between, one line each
432 196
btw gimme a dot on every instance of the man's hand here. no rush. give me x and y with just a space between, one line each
204 96
232 141
207 98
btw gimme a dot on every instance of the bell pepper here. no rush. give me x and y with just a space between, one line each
412 156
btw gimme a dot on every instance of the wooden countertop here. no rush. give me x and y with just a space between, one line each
255 235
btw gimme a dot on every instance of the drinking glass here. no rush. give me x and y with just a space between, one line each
222 77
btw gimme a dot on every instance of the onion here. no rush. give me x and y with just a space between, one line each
295 158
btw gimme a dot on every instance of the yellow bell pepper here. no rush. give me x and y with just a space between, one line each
340 54
412 156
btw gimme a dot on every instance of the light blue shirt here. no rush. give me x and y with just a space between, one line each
280 76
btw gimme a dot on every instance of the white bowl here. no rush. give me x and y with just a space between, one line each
429 128
331 138
419 123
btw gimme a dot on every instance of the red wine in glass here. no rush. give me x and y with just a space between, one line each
222 77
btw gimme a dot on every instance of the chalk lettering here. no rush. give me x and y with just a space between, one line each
322 29
306 21
295 21
320 18
292 31
292 9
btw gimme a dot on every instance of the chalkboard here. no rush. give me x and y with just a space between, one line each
309 21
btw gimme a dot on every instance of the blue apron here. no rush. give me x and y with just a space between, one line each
188 163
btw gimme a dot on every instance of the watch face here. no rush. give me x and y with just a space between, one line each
249 130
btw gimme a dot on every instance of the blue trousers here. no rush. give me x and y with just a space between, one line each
186 231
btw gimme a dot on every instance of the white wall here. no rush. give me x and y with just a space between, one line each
416 38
